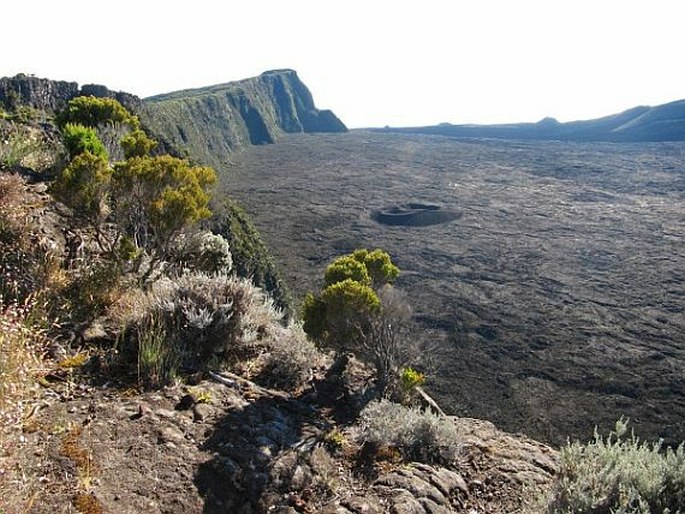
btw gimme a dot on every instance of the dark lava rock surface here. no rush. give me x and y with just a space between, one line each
557 299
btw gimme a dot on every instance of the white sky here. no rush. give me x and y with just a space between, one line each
373 62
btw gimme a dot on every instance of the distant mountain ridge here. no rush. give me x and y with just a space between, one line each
664 122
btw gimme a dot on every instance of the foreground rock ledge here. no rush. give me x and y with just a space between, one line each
249 450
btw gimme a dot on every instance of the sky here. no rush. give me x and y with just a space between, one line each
373 62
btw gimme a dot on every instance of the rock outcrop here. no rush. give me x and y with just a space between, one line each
42 94
247 449
51 96
214 122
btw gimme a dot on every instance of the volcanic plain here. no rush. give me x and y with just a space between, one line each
548 277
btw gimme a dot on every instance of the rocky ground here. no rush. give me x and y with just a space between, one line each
552 294
233 446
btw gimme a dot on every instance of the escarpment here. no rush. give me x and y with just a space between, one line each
213 122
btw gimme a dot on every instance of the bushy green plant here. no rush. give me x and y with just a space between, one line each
620 475
379 266
79 139
341 314
84 186
155 198
91 111
137 144
419 435
346 267
358 311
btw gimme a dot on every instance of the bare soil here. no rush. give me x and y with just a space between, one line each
555 292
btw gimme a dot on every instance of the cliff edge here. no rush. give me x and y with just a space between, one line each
215 121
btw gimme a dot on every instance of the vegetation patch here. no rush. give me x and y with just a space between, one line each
417 434
620 475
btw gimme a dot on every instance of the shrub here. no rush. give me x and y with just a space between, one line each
418 435
349 305
620 475
137 144
359 311
379 266
204 252
91 111
291 358
79 139
212 322
346 267
155 198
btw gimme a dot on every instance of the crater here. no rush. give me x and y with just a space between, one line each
414 215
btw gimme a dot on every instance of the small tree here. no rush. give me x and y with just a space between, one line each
157 197
359 312
84 186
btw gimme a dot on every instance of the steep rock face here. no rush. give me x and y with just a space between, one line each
51 96
215 121
43 94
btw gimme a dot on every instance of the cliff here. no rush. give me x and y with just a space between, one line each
213 122
52 96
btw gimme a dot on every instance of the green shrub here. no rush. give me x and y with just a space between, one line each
79 139
419 435
379 266
137 144
155 198
346 267
349 305
358 311
620 475
84 186
91 111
